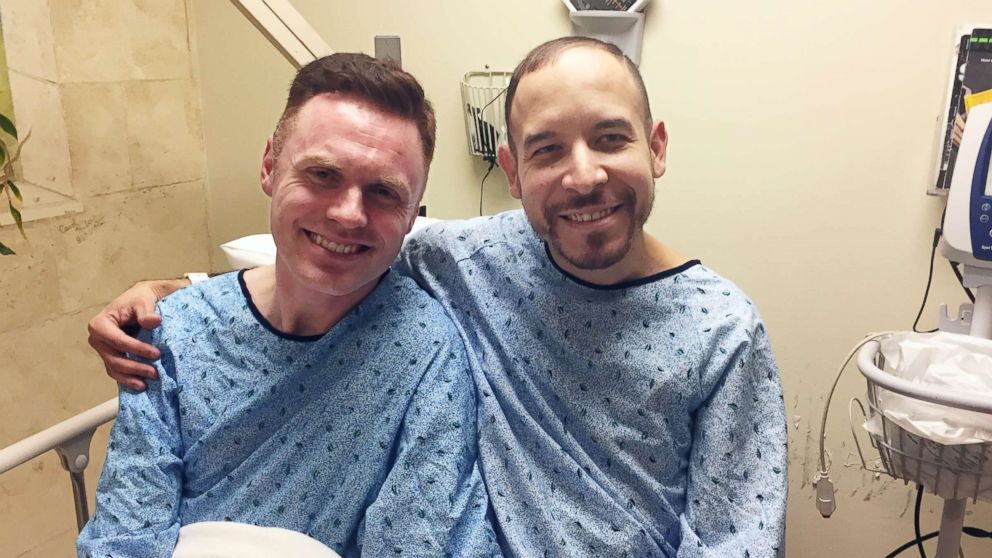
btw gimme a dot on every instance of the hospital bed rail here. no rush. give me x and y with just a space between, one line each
70 439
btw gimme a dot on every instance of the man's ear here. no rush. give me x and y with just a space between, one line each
267 176
508 162
659 146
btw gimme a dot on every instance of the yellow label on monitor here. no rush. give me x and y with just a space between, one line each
976 99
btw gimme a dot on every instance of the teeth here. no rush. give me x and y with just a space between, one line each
333 246
582 217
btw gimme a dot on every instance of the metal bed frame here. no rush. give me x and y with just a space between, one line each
70 439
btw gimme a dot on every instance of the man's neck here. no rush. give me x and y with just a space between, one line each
292 308
647 256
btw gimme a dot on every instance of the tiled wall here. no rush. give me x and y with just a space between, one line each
108 89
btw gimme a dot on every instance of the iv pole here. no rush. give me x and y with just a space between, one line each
952 516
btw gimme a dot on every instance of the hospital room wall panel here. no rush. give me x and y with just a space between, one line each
154 232
134 143
96 119
21 307
159 36
39 109
106 40
30 46
92 40
50 365
165 132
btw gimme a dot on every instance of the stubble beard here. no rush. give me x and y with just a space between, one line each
593 255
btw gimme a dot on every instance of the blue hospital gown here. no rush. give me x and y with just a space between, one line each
642 419
363 438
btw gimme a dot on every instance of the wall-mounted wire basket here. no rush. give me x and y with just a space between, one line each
951 472
482 105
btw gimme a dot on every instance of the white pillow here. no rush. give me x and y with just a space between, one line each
227 539
259 249
250 251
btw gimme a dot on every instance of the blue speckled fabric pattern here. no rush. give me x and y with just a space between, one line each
363 438
641 420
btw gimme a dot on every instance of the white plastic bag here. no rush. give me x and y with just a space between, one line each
948 361
944 448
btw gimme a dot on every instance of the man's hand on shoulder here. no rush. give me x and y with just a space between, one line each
111 330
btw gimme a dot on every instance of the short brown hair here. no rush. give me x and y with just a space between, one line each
548 52
379 82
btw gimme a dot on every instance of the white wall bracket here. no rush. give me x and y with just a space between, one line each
624 29
286 29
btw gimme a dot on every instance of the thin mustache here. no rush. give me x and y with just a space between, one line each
579 202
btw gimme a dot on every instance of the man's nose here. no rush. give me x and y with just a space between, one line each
584 172
348 208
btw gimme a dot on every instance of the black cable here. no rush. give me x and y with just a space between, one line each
970 531
911 543
916 520
954 265
489 150
926 292
920 539
482 186
977 533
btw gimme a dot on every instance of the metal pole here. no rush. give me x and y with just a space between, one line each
981 318
79 497
952 518
951 524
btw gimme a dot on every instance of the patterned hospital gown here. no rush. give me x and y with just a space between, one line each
642 419
363 438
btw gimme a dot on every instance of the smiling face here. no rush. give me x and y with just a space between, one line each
583 164
345 190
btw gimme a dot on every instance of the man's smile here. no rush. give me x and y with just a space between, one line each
335 247
587 215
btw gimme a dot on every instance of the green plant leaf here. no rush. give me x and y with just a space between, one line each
15 190
4 251
7 126
17 218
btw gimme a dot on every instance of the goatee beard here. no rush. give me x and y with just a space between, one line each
592 255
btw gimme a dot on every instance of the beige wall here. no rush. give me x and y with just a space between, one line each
801 140
116 77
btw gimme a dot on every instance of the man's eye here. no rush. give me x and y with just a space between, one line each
544 150
320 175
613 139
383 192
